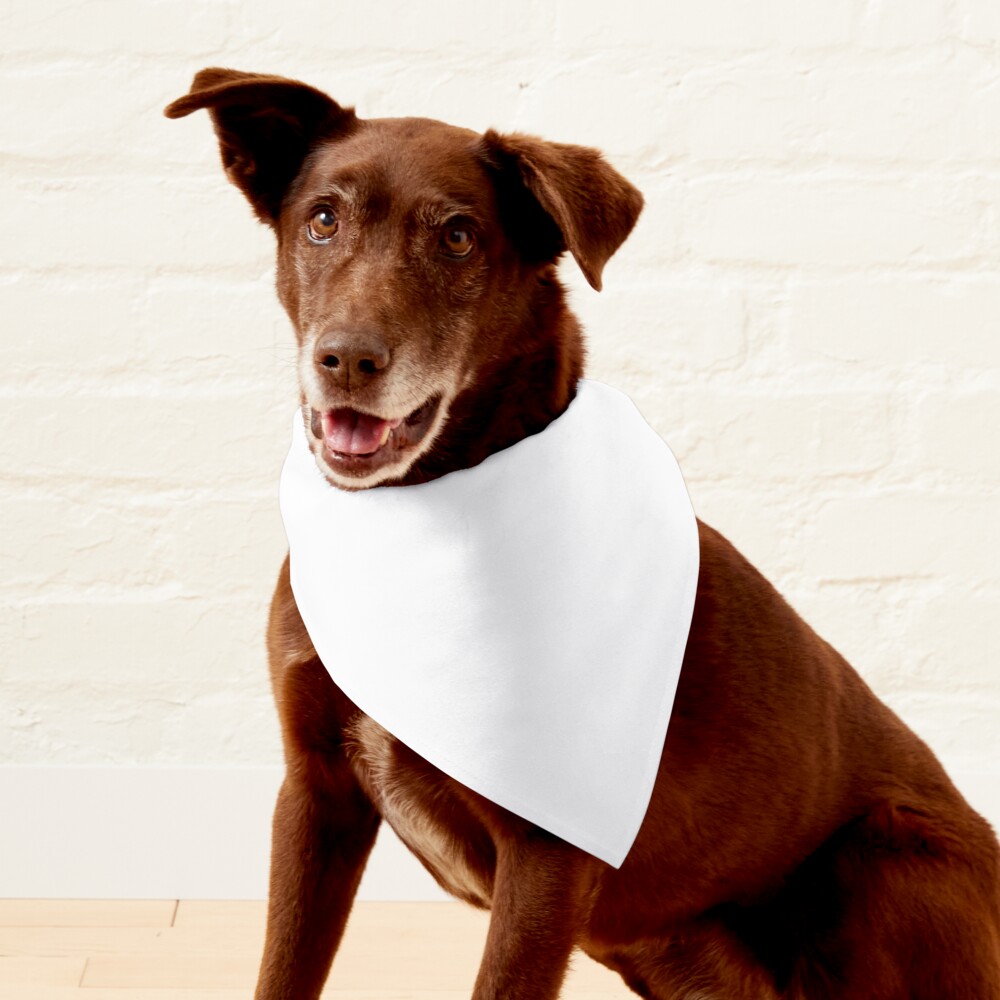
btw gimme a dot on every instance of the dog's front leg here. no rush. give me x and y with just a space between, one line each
321 840
540 896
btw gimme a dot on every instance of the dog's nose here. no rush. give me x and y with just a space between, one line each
351 360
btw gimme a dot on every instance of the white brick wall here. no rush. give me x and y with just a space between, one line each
809 311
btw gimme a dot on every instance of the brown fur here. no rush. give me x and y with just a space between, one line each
800 842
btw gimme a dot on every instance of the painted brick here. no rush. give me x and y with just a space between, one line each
715 24
66 325
978 22
752 522
195 441
952 644
171 648
576 104
178 680
765 437
877 112
894 535
57 542
661 329
86 113
209 548
808 311
215 327
237 726
954 433
222 547
115 26
129 223
960 728
143 728
862 620
898 322
436 26
833 223
902 26
656 243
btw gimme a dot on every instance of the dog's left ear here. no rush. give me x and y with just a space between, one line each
593 208
266 125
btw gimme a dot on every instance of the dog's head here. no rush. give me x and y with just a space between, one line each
410 253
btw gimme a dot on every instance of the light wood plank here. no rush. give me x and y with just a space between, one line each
71 993
21 972
391 951
86 912
165 971
387 947
91 941
210 913
380 966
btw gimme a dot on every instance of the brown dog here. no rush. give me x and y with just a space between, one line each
800 841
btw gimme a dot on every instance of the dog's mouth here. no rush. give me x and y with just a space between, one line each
357 443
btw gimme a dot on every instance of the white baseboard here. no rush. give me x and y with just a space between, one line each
159 833
193 833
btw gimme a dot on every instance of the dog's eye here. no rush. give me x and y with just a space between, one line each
457 241
322 225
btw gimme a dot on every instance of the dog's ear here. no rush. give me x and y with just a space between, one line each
557 197
266 125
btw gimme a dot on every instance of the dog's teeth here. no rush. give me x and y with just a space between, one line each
386 431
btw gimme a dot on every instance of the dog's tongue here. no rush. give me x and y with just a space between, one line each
353 433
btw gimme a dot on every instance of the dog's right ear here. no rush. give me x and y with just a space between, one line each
560 197
266 125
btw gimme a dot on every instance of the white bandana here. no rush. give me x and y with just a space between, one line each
519 624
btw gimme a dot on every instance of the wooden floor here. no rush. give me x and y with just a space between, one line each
169 950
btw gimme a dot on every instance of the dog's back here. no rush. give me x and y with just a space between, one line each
801 839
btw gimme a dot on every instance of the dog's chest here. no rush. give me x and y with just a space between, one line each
414 801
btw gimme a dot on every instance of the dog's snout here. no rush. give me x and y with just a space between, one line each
351 360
